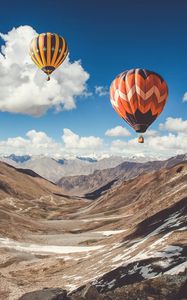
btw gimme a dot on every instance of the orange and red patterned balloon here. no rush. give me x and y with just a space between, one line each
138 96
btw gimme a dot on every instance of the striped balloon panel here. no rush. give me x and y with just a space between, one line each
138 96
48 51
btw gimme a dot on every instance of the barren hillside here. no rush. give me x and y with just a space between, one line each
134 232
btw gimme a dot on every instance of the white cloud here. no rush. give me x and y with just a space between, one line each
174 125
39 143
151 132
185 97
117 144
117 131
72 144
35 143
39 138
24 88
170 142
74 141
101 90
155 146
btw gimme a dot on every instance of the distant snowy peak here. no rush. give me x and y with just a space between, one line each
54 169
144 158
87 159
18 158
61 161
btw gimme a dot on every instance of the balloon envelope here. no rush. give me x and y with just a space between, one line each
138 96
48 51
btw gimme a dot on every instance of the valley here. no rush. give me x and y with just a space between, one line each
134 231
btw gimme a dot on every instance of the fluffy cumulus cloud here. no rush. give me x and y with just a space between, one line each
154 146
72 144
156 143
174 125
39 143
101 90
24 88
174 143
151 132
35 143
117 131
74 141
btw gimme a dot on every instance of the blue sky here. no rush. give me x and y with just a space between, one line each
108 37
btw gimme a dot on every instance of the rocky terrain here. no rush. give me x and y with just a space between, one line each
94 185
166 287
130 241
53 169
24 196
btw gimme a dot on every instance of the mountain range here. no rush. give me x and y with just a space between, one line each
94 185
53 169
56 170
129 241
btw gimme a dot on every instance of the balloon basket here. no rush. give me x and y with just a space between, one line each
141 139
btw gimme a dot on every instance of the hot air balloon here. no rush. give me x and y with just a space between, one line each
48 51
138 96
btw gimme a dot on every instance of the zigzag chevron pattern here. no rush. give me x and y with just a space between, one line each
138 96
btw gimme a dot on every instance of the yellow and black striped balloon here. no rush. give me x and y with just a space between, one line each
48 51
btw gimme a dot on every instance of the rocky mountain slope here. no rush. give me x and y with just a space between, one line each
92 186
134 232
165 287
23 183
24 195
53 169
